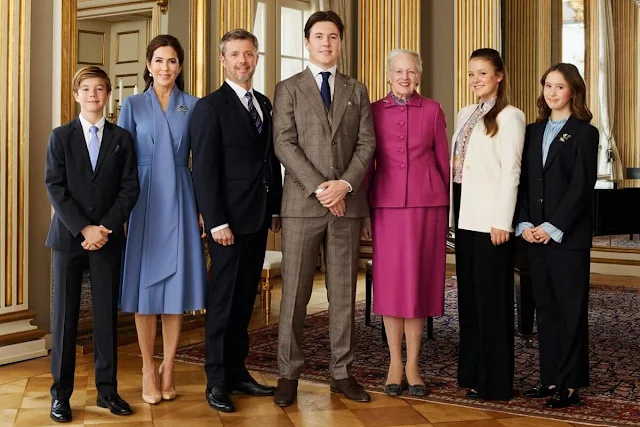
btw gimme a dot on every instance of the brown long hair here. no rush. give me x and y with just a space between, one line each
161 41
491 118
578 93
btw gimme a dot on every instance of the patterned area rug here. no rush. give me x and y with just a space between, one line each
614 321
617 241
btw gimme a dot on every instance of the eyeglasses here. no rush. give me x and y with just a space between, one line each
401 73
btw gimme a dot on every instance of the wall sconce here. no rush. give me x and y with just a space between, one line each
637 2
164 6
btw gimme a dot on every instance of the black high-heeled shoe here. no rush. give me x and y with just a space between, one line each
393 390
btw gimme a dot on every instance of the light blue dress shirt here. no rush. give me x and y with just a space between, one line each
550 132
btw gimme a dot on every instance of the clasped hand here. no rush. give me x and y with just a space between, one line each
95 237
536 235
332 196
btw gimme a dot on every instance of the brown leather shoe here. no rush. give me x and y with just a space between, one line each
286 392
350 388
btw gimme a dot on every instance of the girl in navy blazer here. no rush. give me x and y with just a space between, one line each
559 171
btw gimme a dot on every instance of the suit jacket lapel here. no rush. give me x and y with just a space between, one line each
343 88
307 84
536 147
105 145
266 118
556 145
80 144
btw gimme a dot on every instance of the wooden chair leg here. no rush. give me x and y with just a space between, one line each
267 299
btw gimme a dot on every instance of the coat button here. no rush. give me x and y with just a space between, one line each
541 179
264 181
401 136
333 143
401 151
94 185
402 165
540 200
91 209
402 109
401 123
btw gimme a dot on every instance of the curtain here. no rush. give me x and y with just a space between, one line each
609 164
345 10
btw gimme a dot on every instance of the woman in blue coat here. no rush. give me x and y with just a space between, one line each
164 268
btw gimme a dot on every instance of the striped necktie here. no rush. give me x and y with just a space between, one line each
94 146
257 122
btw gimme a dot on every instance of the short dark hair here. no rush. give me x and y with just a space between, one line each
237 34
324 16
161 41
87 73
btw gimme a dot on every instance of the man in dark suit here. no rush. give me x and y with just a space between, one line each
238 186
92 182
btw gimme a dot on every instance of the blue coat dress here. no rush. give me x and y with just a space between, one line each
164 267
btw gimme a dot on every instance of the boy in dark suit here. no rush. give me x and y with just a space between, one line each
92 182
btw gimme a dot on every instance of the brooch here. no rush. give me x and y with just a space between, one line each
565 137
182 109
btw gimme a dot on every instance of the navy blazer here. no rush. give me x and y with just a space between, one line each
236 176
561 191
82 197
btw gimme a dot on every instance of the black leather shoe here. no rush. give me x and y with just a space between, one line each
286 392
60 410
393 390
350 388
472 394
219 399
252 388
115 404
563 400
540 391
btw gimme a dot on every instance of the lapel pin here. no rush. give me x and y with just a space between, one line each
565 137
182 109
349 103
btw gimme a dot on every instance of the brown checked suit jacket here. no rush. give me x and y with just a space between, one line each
316 145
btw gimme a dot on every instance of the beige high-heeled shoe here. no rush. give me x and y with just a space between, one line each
154 398
166 395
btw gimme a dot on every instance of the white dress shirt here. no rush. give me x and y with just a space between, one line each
316 71
241 92
86 125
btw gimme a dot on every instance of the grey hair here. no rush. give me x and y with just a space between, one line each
237 34
415 55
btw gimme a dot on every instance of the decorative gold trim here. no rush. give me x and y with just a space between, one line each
23 151
163 5
99 33
69 60
124 33
198 12
233 14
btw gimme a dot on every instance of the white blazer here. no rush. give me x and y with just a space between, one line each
491 171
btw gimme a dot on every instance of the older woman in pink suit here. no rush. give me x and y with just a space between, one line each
408 196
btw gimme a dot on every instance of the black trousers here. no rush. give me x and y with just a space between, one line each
561 295
231 294
68 267
524 289
485 306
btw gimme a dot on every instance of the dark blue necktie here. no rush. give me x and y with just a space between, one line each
257 122
325 89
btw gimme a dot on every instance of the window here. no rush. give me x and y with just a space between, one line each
573 33
282 52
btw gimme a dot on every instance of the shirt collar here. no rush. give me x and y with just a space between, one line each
488 105
239 90
86 124
315 70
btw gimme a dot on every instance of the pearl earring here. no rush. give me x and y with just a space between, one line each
150 75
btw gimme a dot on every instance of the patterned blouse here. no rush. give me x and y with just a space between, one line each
461 142
401 101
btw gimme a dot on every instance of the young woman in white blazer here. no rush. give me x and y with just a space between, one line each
486 152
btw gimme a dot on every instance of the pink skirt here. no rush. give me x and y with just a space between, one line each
409 257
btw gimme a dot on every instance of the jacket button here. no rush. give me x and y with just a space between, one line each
264 181
402 109
401 151
333 143
91 209
402 165
401 136
401 123
540 200
541 179
94 185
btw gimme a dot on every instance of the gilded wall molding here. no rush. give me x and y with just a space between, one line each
527 52
384 25
477 25
198 13
15 16
69 60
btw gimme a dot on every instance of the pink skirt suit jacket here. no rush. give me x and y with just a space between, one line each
408 193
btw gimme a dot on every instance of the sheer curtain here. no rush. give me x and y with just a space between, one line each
344 9
609 164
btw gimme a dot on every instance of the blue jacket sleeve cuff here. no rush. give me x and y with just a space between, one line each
521 227
553 232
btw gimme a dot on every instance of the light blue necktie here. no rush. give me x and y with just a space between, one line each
94 146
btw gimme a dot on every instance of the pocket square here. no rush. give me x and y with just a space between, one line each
349 103
116 149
